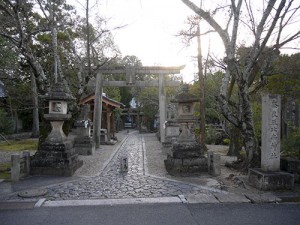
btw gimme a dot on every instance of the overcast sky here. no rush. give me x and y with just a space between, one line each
150 32
151 28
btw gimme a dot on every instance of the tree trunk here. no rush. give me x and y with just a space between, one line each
235 145
202 92
35 114
88 41
43 83
248 132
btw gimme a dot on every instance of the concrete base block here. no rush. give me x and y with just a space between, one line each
263 198
175 166
270 180
84 146
201 198
231 198
55 159
66 171
292 166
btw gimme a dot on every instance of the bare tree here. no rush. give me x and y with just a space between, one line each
265 29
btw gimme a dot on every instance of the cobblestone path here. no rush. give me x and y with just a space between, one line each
112 183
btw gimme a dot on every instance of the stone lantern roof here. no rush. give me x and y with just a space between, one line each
57 93
184 96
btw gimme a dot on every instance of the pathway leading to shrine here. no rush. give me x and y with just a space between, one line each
113 184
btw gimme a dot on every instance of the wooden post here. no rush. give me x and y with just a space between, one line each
108 115
162 107
113 125
97 110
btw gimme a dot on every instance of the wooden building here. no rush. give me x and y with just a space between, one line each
109 105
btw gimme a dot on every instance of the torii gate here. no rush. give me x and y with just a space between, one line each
131 73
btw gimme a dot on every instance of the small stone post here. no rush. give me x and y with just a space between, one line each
214 163
26 158
15 167
124 164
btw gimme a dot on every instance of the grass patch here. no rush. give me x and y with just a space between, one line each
19 145
4 171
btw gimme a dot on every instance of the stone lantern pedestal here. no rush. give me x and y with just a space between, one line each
187 155
56 156
83 143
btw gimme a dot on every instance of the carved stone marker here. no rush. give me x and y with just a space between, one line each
271 119
124 164
214 163
269 176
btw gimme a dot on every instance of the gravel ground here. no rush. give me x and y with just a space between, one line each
93 164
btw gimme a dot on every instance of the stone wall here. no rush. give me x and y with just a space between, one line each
23 135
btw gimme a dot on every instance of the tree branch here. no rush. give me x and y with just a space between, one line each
210 20
257 47
10 38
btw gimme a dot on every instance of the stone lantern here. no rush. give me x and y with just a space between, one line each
185 114
56 156
187 155
58 108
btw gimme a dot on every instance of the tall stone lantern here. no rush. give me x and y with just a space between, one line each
185 118
58 108
187 155
56 156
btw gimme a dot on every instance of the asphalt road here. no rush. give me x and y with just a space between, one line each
156 214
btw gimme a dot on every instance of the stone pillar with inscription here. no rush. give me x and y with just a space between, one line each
271 117
269 176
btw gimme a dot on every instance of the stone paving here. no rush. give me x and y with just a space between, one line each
107 183
112 183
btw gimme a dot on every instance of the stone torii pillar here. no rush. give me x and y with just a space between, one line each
162 107
97 110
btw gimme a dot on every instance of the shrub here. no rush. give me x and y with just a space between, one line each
290 146
6 123
226 141
211 135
